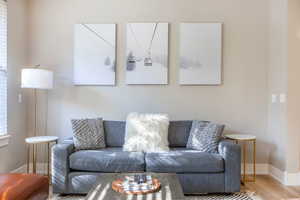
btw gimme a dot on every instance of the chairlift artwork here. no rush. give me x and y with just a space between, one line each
200 53
147 53
94 54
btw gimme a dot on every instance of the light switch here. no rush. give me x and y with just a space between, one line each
282 98
274 98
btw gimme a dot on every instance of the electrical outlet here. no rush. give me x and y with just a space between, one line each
282 98
274 98
20 98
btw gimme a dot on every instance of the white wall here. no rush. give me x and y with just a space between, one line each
240 103
293 108
277 82
283 76
14 155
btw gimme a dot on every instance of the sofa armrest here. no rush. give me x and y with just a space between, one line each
60 166
231 154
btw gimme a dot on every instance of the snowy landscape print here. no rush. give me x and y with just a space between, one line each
147 53
94 54
200 53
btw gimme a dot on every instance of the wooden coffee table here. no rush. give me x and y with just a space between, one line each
170 188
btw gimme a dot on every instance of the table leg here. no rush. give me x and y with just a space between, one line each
254 160
34 159
244 159
48 164
28 158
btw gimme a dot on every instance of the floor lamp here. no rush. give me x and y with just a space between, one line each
37 79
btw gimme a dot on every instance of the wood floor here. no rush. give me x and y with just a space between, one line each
267 188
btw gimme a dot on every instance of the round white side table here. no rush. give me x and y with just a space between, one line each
244 139
34 141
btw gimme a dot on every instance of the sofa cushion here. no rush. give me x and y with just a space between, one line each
182 160
107 160
114 133
179 132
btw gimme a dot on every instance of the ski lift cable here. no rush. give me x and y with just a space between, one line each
135 38
157 57
150 45
152 38
97 34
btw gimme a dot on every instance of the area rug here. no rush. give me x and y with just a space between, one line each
236 196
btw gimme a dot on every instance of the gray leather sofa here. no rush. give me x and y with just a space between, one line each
198 172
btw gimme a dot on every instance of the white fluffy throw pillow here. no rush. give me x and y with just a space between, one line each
147 132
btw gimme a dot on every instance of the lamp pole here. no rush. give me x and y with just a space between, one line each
35 106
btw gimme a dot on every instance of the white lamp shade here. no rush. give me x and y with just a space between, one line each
37 78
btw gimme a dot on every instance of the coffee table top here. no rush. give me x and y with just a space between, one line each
170 188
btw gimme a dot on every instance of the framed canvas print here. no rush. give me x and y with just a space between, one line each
94 54
147 53
200 54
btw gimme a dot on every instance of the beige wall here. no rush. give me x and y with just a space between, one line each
277 82
14 155
293 106
240 103
283 78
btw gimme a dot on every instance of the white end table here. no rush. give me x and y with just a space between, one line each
34 141
244 139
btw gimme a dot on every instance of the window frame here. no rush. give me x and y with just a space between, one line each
4 137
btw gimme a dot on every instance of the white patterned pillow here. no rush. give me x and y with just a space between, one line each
205 136
147 132
88 133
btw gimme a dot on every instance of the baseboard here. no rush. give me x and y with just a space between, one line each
277 174
292 179
261 169
41 168
289 179
21 169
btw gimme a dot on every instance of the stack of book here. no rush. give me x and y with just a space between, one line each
138 183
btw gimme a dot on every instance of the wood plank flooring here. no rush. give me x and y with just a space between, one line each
267 188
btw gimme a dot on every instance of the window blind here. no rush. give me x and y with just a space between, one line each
3 67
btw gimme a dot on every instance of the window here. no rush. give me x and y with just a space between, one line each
3 67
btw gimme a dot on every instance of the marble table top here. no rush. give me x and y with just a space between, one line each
41 139
240 137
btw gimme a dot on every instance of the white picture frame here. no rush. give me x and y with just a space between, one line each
200 54
94 54
147 48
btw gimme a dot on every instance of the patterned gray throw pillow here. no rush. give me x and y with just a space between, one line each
205 136
88 133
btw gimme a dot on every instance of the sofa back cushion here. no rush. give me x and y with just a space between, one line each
179 132
114 133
